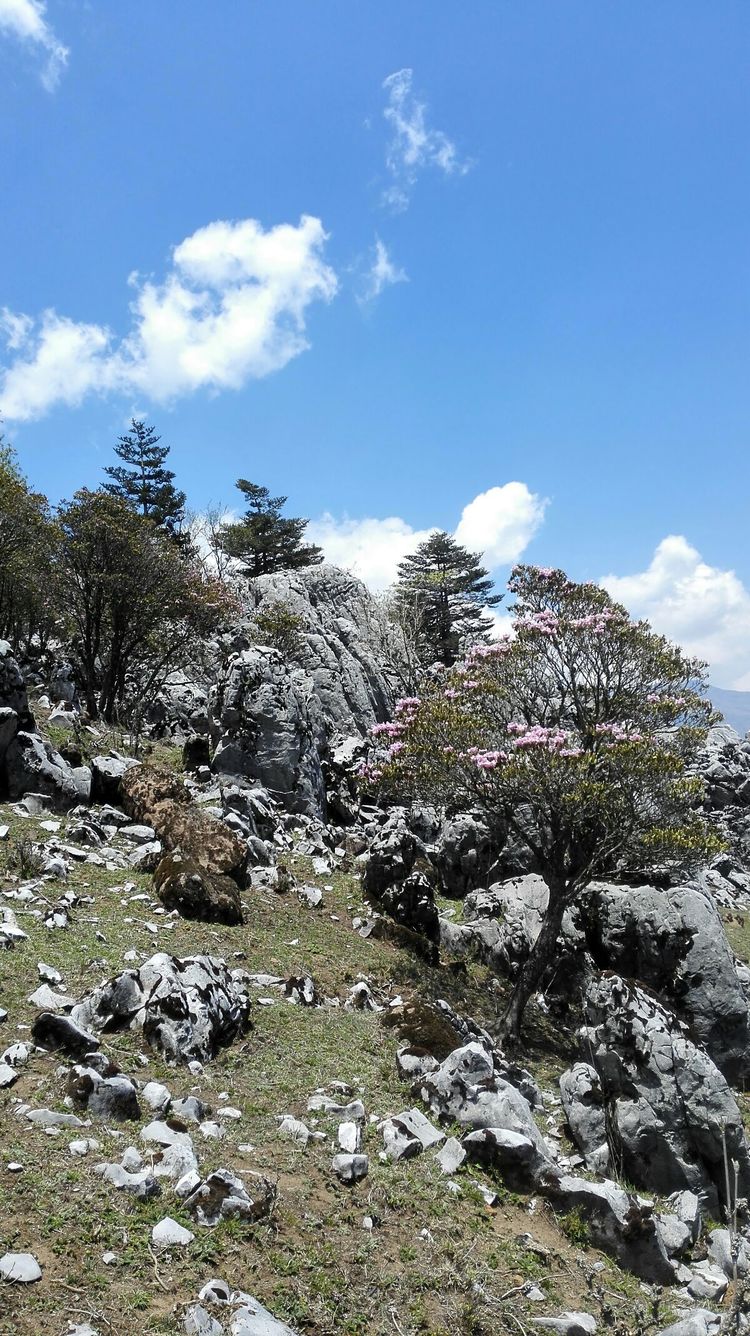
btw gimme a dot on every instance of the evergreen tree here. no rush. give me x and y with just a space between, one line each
264 540
447 588
146 484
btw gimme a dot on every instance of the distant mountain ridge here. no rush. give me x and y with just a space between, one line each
734 705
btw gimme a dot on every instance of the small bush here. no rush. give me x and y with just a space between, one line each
24 857
279 627
575 1227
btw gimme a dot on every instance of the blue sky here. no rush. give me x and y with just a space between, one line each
526 261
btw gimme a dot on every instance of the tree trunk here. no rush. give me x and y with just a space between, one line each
540 957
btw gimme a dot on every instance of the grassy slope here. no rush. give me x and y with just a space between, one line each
313 1264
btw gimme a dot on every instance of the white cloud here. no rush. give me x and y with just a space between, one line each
381 274
501 522
26 20
231 309
414 145
370 548
704 609
498 523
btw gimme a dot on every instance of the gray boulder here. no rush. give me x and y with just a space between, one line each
106 775
466 1089
673 940
32 765
667 1105
464 852
186 1007
12 687
584 1108
618 1222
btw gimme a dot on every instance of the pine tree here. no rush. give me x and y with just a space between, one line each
448 588
264 540
147 485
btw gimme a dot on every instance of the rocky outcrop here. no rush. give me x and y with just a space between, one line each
34 766
667 1109
275 715
670 938
724 766
341 642
186 1007
268 725
673 939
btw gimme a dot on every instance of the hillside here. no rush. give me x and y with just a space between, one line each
253 1079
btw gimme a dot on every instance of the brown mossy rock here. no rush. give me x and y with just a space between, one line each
200 836
159 798
423 1027
195 892
145 788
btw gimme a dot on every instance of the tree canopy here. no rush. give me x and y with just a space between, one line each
145 483
575 735
447 589
138 605
29 614
264 540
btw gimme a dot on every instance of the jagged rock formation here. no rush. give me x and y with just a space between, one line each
670 938
342 645
27 762
666 1107
187 1008
273 716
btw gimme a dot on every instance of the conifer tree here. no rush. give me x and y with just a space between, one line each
146 484
264 540
448 589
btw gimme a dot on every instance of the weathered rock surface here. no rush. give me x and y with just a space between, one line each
107 773
31 765
667 1106
186 1007
274 717
224 1196
342 640
268 724
674 940
618 1222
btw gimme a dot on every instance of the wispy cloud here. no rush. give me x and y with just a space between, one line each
500 523
701 607
381 274
414 145
231 308
26 20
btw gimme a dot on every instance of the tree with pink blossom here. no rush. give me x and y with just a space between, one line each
575 734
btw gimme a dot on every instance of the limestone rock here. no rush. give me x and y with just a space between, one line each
186 1007
667 1102
224 1196
584 1107
169 1234
20 1268
33 765
268 725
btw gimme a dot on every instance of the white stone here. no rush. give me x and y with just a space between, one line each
169 1234
21 1268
